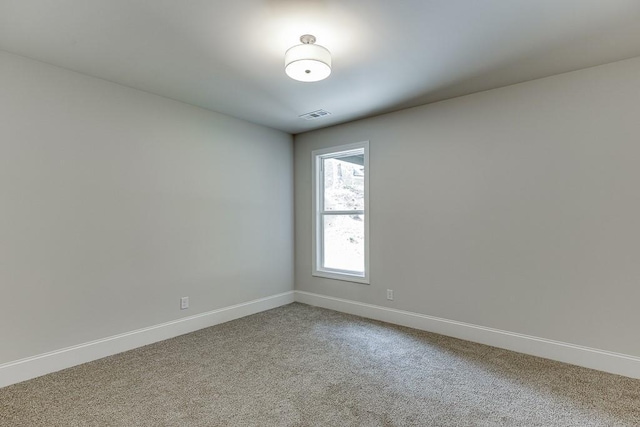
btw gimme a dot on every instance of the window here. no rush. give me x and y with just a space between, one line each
340 204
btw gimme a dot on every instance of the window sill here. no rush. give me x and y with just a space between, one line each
341 276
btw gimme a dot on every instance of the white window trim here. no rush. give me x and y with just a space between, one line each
316 239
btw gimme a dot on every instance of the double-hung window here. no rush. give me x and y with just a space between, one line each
340 205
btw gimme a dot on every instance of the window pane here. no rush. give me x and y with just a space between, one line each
344 242
344 183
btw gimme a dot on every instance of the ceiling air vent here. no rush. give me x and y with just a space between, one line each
314 115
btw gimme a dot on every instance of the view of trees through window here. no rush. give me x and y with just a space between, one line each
344 231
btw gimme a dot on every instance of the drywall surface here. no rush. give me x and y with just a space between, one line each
516 209
115 203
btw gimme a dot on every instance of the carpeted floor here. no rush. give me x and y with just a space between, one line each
303 366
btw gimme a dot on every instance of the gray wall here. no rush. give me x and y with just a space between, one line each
516 208
114 203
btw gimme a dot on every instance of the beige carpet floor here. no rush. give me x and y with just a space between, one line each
303 366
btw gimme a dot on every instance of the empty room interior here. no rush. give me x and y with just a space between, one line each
319 213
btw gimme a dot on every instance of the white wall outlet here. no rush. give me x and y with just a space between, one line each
390 294
184 303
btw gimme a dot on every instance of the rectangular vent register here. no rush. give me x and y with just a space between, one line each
315 115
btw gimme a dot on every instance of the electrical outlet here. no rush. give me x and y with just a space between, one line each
184 303
390 294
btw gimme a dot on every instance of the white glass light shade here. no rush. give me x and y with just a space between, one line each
307 62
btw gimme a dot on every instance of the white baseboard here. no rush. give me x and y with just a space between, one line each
35 366
601 360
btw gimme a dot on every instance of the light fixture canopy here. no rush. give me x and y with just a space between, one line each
307 62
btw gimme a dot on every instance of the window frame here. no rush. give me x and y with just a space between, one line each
317 156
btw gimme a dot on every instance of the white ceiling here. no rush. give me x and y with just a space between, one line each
227 56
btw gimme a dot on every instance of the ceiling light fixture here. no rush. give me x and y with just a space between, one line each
307 62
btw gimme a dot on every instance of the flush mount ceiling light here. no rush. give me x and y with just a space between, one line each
307 62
